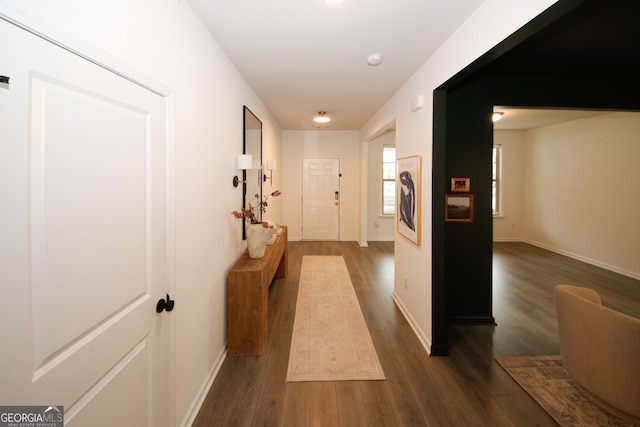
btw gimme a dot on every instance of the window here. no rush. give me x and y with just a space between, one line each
496 181
388 180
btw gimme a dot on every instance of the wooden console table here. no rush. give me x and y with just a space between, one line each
249 281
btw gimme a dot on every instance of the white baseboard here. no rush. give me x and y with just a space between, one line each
426 343
192 413
507 239
588 260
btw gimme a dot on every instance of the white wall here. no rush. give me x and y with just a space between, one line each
165 41
298 144
491 23
573 188
508 227
582 190
379 227
272 150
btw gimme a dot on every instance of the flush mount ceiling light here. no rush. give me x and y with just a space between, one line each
374 59
333 1
496 116
321 118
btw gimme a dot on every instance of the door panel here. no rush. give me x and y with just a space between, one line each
126 375
321 199
77 200
83 168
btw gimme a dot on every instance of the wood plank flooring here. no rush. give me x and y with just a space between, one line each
466 388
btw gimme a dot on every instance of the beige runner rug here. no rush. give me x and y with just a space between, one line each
330 340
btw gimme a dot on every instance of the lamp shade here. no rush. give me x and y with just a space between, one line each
245 161
271 165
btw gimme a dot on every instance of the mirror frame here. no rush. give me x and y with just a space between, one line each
251 146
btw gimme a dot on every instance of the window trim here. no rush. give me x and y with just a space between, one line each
382 164
497 179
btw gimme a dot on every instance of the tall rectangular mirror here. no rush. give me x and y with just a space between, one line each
252 144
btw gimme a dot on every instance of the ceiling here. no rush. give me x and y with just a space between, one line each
531 118
305 56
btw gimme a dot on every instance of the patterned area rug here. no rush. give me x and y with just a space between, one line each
330 340
544 378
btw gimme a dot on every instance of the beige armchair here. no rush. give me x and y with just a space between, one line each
600 350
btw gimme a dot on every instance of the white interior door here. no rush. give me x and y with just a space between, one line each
321 199
83 248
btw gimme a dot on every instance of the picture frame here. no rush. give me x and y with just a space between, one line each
461 184
408 198
458 208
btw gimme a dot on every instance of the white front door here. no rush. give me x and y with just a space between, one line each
321 199
83 249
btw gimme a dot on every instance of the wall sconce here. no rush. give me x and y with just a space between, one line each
271 166
244 162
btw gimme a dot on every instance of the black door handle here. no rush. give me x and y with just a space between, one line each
165 304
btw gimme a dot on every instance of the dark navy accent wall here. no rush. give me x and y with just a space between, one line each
462 148
467 246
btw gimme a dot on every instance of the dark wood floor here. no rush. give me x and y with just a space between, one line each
466 388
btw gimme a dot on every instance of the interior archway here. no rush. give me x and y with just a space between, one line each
577 54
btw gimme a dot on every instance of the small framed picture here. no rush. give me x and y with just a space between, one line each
460 184
459 208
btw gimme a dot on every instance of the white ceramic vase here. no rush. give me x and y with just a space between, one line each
257 236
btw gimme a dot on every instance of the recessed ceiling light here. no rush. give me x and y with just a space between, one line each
333 1
321 118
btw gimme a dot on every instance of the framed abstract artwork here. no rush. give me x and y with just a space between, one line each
408 211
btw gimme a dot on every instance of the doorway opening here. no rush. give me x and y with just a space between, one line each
380 211
551 62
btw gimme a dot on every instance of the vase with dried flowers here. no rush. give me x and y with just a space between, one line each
257 231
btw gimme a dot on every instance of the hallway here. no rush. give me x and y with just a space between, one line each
466 388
